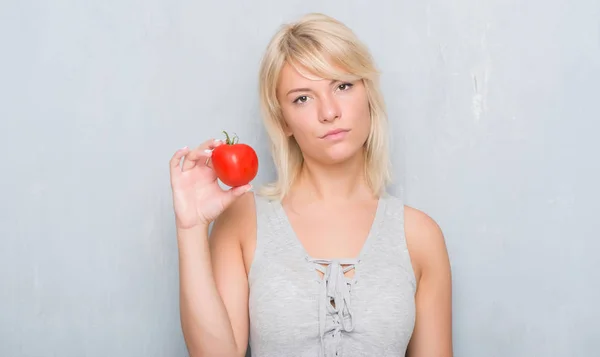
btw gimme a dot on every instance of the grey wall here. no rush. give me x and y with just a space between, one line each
494 109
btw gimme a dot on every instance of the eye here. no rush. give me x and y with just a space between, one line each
301 99
345 86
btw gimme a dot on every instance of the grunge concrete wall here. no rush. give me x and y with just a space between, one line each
494 111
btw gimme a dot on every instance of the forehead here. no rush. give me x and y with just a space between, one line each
294 75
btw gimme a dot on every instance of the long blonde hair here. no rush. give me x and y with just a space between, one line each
320 44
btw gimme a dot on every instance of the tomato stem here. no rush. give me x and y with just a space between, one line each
227 139
230 141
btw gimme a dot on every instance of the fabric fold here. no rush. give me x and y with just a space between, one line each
335 306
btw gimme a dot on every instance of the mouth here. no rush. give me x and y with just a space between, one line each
335 132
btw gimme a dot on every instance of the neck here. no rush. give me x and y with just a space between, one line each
339 182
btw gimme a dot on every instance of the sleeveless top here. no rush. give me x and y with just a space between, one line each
296 312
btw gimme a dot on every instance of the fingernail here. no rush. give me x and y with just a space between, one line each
208 151
184 148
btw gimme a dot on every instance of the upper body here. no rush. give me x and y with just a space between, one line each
386 313
324 249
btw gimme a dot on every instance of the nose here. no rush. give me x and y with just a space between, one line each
330 109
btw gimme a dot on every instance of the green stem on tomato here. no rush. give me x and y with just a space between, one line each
230 141
227 139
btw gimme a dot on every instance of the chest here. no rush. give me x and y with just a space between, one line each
294 309
290 305
334 231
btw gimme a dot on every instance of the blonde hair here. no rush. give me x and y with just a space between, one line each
320 44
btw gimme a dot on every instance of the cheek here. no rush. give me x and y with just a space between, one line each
303 133
290 122
361 114
363 106
299 122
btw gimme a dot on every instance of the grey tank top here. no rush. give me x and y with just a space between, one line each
296 312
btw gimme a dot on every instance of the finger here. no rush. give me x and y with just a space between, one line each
195 158
214 143
200 153
175 161
210 144
234 193
208 161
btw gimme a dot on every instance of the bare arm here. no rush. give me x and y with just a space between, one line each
432 336
236 224
211 327
205 321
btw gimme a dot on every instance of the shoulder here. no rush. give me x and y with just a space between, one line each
426 242
418 223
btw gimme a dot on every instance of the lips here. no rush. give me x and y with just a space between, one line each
333 132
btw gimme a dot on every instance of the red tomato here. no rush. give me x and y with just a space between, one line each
235 164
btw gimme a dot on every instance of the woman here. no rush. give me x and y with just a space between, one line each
323 262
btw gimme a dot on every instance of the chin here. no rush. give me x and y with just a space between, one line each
338 154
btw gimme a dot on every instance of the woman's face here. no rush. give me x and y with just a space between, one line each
330 120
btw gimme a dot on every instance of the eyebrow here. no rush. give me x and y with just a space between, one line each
306 89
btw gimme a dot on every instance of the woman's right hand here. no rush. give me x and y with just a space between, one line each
197 197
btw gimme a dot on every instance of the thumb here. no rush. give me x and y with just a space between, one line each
235 192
